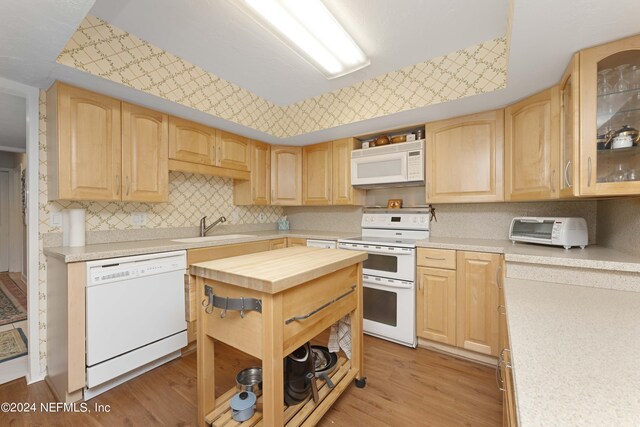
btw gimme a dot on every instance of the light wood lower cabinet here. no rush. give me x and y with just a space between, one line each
257 189
478 301
296 241
286 175
532 147
316 174
505 369
465 158
436 311
278 243
457 300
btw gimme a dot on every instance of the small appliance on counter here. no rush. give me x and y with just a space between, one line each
551 231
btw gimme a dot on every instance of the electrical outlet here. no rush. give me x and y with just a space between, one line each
262 217
55 219
138 218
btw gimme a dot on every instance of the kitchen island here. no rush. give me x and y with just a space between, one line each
281 300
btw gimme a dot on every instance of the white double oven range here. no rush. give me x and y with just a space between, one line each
389 274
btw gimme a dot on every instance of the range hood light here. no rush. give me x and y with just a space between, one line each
310 30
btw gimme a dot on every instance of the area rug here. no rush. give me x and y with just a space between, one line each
13 301
13 343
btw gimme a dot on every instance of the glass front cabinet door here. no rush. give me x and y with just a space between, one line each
610 118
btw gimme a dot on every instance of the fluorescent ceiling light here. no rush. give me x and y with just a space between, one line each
311 31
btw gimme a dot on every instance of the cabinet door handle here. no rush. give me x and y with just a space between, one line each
566 176
117 185
420 284
128 185
499 379
428 190
553 176
435 259
498 277
589 172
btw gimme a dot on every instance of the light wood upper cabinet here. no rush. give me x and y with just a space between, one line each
233 151
477 305
436 311
316 174
257 189
343 192
286 175
609 99
569 130
145 170
465 159
191 142
532 133
84 149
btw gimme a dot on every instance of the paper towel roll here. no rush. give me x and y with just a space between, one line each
76 227
65 227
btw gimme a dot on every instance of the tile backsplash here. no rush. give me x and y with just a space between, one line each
190 198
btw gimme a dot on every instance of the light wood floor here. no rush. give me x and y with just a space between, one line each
405 387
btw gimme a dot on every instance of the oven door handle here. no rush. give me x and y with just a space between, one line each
385 285
379 251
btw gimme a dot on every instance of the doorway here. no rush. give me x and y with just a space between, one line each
13 289
19 154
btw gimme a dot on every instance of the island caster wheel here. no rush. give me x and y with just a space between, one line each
360 383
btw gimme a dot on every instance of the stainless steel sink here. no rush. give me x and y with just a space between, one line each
213 238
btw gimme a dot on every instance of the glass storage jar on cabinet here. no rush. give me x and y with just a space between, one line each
610 102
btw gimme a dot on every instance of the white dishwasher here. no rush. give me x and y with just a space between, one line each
135 314
317 243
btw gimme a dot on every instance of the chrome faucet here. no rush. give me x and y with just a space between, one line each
203 225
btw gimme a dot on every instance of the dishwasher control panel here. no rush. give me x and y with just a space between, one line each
118 269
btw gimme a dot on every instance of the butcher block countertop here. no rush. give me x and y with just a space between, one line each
275 271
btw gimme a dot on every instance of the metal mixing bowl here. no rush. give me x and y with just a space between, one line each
250 379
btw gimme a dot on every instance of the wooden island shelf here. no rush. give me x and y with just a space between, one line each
301 291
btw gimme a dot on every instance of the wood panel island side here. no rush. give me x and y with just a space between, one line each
290 295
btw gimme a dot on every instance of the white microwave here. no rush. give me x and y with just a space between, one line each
395 164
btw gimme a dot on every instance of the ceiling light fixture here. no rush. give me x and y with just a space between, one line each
310 30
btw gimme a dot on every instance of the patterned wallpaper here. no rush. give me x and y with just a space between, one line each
109 52
190 197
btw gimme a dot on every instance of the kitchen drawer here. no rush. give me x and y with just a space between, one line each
436 258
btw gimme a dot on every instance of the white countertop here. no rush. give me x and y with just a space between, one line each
140 247
575 354
593 256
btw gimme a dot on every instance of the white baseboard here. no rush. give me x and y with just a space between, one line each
13 369
458 352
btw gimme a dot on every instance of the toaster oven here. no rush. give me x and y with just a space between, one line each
566 232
